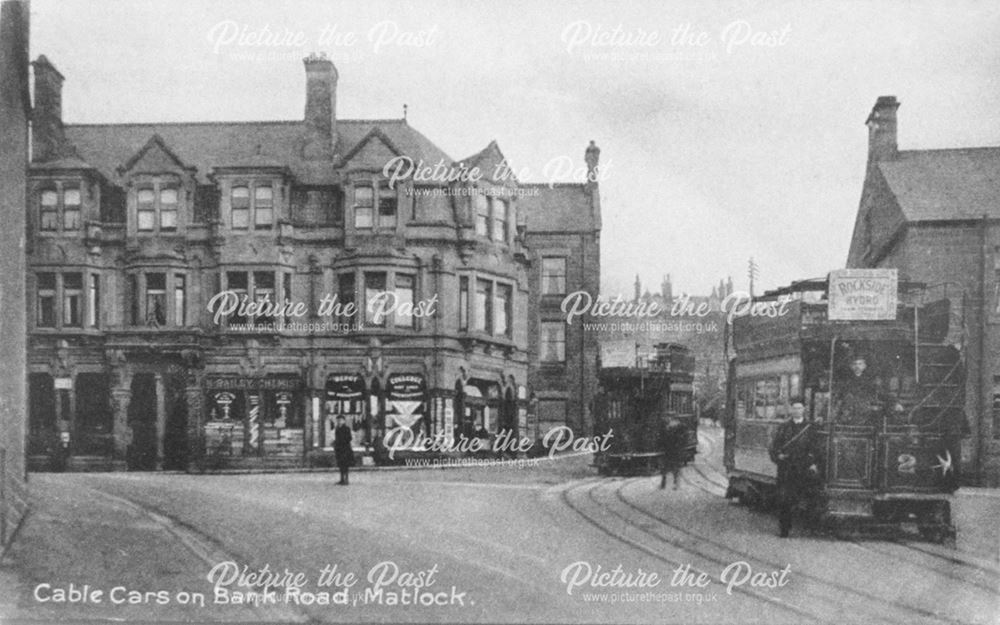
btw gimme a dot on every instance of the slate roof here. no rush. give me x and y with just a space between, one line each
953 184
205 145
563 207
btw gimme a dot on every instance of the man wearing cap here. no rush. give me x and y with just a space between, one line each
796 452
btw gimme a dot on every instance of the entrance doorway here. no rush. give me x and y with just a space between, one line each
142 418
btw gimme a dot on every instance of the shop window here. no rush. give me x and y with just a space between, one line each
484 306
498 207
404 317
72 298
180 299
363 207
156 299
145 210
240 207
553 275
49 209
71 209
553 347
387 205
94 301
463 303
375 285
46 301
502 310
168 209
482 207
263 210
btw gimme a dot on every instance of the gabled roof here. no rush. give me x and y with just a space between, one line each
956 184
488 160
155 156
205 145
561 207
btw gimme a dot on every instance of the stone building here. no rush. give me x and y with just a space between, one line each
935 216
15 107
425 305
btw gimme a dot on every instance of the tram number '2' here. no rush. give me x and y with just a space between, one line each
907 463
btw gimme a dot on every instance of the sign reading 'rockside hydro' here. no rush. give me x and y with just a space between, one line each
862 294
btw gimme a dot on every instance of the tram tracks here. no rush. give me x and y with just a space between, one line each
653 535
655 551
872 599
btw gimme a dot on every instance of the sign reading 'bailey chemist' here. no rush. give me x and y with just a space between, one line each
862 294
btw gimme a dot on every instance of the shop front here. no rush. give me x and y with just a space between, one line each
254 420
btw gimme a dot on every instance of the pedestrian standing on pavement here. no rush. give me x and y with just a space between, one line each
342 449
671 445
795 451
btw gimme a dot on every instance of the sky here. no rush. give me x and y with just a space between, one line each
728 130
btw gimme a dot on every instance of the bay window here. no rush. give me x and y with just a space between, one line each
46 302
156 299
482 207
498 207
404 317
375 286
72 298
71 209
49 209
484 306
240 207
502 310
263 210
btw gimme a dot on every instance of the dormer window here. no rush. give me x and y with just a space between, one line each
168 209
240 208
387 204
364 202
145 210
252 206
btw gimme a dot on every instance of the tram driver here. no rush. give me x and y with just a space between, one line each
795 449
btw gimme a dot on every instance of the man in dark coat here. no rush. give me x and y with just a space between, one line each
796 452
671 444
342 449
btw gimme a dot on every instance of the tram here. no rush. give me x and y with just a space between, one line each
635 402
885 397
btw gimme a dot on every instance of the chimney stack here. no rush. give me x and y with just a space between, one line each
321 108
48 137
592 156
881 124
